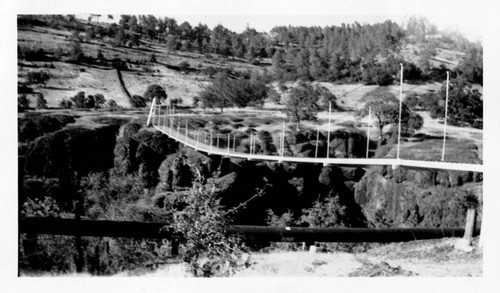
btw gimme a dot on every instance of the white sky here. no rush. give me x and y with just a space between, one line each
465 16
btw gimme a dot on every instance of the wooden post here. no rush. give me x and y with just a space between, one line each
217 140
178 125
283 141
317 139
210 140
445 114
228 142
165 120
470 224
400 109
234 143
368 131
464 243
329 127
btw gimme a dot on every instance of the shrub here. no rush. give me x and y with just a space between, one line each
40 77
58 53
267 142
23 103
201 226
184 66
112 105
100 101
79 100
137 101
155 91
41 103
327 213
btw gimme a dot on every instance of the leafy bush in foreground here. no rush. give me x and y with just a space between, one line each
207 249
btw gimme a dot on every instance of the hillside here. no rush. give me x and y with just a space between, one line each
85 91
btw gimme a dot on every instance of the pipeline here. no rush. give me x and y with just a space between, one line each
104 228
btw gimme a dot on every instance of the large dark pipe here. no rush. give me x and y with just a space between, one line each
56 226
299 234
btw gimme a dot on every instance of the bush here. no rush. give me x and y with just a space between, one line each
266 138
32 127
23 103
112 105
207 249
65 104
155 91
325 214
137 101
99 100
40 77
184 66
41 103
79 100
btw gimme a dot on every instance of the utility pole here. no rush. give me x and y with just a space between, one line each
368 131
329 127
400 108
445 114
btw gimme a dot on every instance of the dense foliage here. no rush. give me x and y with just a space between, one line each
385 111
225 92
302 103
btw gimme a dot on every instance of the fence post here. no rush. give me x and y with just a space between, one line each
211 140
329 127
228 142
234 143
317 139
465 242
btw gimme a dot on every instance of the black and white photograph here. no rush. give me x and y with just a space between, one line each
306 145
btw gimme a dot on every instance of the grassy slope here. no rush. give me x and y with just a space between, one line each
68 79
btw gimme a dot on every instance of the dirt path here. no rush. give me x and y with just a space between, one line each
423 258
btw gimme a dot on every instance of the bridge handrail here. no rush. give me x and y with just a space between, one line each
184 138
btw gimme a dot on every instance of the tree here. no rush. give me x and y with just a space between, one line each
65 104
465 105
386 112
302 103
99 100
38 77
112 105
90 102
184 66
471 67
79 100
23 103
155 91
41 103
218 94
137 101
75 50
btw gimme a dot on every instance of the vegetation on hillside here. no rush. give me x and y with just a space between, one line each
122 171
